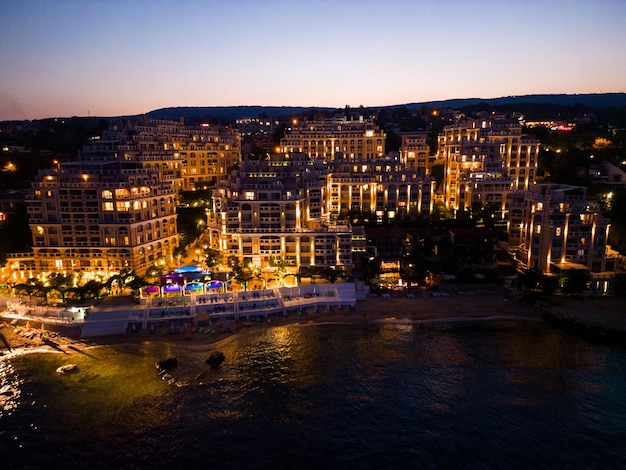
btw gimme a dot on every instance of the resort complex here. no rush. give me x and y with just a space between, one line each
327 201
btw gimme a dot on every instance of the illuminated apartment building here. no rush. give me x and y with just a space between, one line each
415 153
98 217
155 145
381 186
273 210
209 154
356 140
484 160
192 157
555 227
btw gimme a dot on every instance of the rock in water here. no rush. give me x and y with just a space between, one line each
67 368
167 364
215 359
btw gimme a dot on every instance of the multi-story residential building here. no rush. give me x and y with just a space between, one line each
155 144
272 210
555 227
484 160
99 217
208 155
415 153
192 157
381 186
355 139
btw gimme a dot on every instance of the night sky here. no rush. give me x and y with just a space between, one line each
106 58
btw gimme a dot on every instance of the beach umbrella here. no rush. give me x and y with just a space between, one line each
171 288
214 285
193 286
151 290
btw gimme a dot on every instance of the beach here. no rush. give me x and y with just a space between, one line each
458 302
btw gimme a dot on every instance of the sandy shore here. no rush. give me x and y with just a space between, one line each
484 302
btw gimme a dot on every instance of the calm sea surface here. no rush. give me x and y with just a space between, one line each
499 394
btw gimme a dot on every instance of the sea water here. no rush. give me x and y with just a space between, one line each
476 394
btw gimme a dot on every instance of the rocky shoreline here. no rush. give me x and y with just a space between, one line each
595 320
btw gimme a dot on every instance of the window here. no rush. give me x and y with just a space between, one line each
123 206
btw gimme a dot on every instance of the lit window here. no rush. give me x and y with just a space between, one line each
123 206
108 206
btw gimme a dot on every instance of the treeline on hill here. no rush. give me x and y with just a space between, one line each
31 146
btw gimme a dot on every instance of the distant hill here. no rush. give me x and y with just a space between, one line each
231 113
591 100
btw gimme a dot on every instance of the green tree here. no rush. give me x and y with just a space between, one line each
239 272
331 274
136 283
575 281
179 252
93 289
31 287
370 269
280 268
154 272
62 283
212 257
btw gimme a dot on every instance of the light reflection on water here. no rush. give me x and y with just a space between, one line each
391 395
10 390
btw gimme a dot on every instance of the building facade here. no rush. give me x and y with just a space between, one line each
359 139
484 160
273 210
555 227
191 157
415 153
99 217
381 186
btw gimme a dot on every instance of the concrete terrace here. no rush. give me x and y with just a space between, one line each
116 314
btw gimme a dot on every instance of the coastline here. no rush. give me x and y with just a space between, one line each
603 318
599 320
486 302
